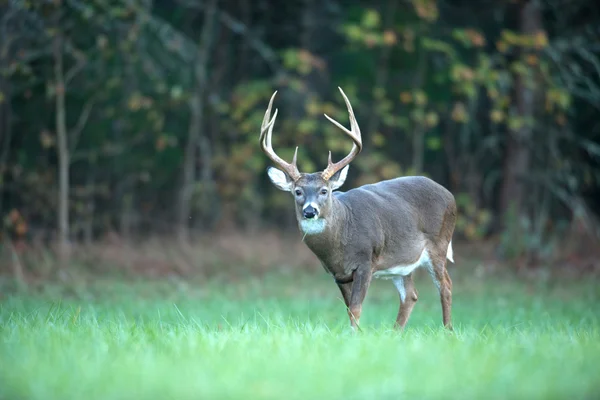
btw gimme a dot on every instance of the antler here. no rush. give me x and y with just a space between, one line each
354 134
266 132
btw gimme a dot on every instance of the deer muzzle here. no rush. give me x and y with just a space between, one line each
310 211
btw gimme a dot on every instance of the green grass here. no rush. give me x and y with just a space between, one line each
287 337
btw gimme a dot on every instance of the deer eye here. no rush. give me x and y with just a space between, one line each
323 191
298 192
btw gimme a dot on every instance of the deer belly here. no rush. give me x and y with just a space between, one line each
404 269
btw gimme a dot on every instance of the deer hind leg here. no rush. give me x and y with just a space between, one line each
408 299
442 280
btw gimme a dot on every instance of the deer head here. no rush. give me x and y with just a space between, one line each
312 191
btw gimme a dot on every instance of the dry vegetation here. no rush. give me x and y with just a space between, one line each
234 255
228 254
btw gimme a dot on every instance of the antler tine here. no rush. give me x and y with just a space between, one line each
268 112
354 134
266 134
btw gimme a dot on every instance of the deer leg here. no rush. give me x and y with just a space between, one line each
346 289
447 300
408 299
442 280
360 284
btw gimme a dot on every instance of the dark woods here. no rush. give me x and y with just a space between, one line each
141 118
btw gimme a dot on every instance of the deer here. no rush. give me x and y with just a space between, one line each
383 230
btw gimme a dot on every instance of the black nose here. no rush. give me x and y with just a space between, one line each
310 212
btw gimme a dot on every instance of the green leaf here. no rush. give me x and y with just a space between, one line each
435 45
353 32
371 19
434 143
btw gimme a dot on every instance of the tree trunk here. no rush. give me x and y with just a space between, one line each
5 133
418 149
383 69
5 111
90 206
419 130
244 56
63 152
517 155
196 122
127 217
189 167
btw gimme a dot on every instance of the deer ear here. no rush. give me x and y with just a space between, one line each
338 179
280 179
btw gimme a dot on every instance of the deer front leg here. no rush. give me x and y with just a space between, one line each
361 279
346 289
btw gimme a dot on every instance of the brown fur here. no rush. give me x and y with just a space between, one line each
379 226
371 228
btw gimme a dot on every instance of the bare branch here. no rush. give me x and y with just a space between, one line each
239 28
75 133
261 47
170 37
79 65
107 151
572 76
589 56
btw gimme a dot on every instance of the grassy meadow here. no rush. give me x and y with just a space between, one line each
286 335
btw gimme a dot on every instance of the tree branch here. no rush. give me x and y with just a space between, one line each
75 132
107 151
239 28
79 65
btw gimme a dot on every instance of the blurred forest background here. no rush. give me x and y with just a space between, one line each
135 123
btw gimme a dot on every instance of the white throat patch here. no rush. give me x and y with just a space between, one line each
312 226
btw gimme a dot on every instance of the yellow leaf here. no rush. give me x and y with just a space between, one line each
459 112
541 40
502 46
378 139
420 97
405 97
312 107
431 119
389 37
493 93
532 59
475 37
161 143
46 139
135 102
497 116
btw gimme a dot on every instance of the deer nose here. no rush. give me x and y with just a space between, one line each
310 212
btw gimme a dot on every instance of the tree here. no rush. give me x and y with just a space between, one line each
197 124
519 137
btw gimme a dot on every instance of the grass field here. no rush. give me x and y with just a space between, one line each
287 337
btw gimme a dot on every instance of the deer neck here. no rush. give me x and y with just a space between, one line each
325 230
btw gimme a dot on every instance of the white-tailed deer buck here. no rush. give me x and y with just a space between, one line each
384 230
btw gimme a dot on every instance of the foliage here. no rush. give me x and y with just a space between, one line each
472 223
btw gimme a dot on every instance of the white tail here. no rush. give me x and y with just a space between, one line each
450 253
